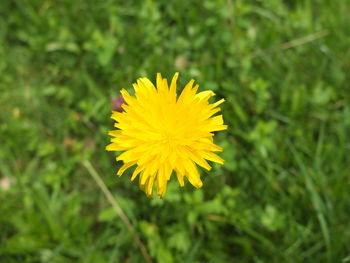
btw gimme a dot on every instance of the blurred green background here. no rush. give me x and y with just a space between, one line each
283 68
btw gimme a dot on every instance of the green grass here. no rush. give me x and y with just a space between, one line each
283 68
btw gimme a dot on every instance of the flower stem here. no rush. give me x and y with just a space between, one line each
117 209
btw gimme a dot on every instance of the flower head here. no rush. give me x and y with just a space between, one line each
161 133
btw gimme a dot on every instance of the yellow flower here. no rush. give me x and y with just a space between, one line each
160 133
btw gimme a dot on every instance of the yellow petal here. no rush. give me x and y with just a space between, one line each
192 174
211 157
173 87
114 133
136 172
205 95
185 92
161 182
124 167
114 147
180 178
149 186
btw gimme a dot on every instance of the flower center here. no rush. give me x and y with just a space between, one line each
170 139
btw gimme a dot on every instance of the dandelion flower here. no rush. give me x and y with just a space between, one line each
161 133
